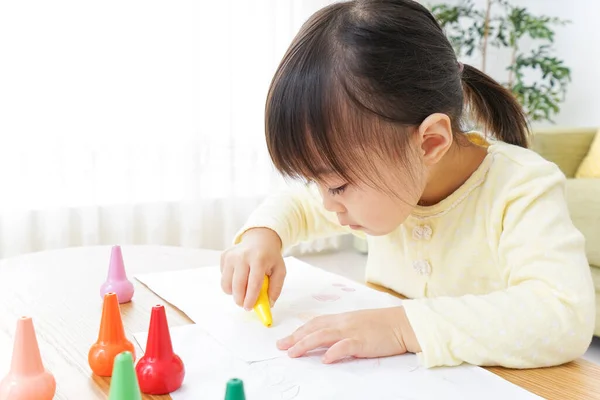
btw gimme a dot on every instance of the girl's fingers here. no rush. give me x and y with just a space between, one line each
344 348
255 281
239 283
321 338
276 283
306 329
226 277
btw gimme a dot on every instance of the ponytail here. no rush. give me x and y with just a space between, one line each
494 107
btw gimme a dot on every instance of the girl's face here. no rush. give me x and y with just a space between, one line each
379 212
365 208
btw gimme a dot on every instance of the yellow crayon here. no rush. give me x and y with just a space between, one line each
262 306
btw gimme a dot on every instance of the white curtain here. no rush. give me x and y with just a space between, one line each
129 122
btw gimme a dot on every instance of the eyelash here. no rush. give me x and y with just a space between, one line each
338 190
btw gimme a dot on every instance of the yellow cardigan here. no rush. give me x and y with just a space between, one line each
495 274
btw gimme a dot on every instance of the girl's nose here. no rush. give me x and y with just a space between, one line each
333 205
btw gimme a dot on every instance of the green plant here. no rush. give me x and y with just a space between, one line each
472 29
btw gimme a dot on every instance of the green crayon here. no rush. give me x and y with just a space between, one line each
235 390
124 383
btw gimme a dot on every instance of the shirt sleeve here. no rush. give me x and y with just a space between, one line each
546 314
296 214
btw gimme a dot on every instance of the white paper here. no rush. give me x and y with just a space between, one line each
307 292
209 366
228 342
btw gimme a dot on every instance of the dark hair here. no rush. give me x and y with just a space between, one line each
359 75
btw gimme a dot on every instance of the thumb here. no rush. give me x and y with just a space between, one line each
276 282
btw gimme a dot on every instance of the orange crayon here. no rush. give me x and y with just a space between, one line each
111 338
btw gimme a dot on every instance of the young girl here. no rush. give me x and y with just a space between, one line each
367 108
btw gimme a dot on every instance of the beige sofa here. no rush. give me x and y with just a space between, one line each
567 147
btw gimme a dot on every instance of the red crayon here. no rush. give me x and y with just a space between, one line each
160 370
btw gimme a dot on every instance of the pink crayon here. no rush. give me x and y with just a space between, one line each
116 281
27 379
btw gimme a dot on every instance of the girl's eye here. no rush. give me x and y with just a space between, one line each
338 190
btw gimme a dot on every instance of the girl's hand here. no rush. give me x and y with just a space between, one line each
244 266
362 334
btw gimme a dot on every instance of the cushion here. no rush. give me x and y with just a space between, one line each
564 146
582 199
590 166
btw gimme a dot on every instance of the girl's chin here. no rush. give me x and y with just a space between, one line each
370 231
375 232
364 230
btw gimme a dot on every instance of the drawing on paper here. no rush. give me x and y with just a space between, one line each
326 297
357 365
343 287
290 393
273 381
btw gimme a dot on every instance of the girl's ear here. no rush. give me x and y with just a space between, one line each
435 137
